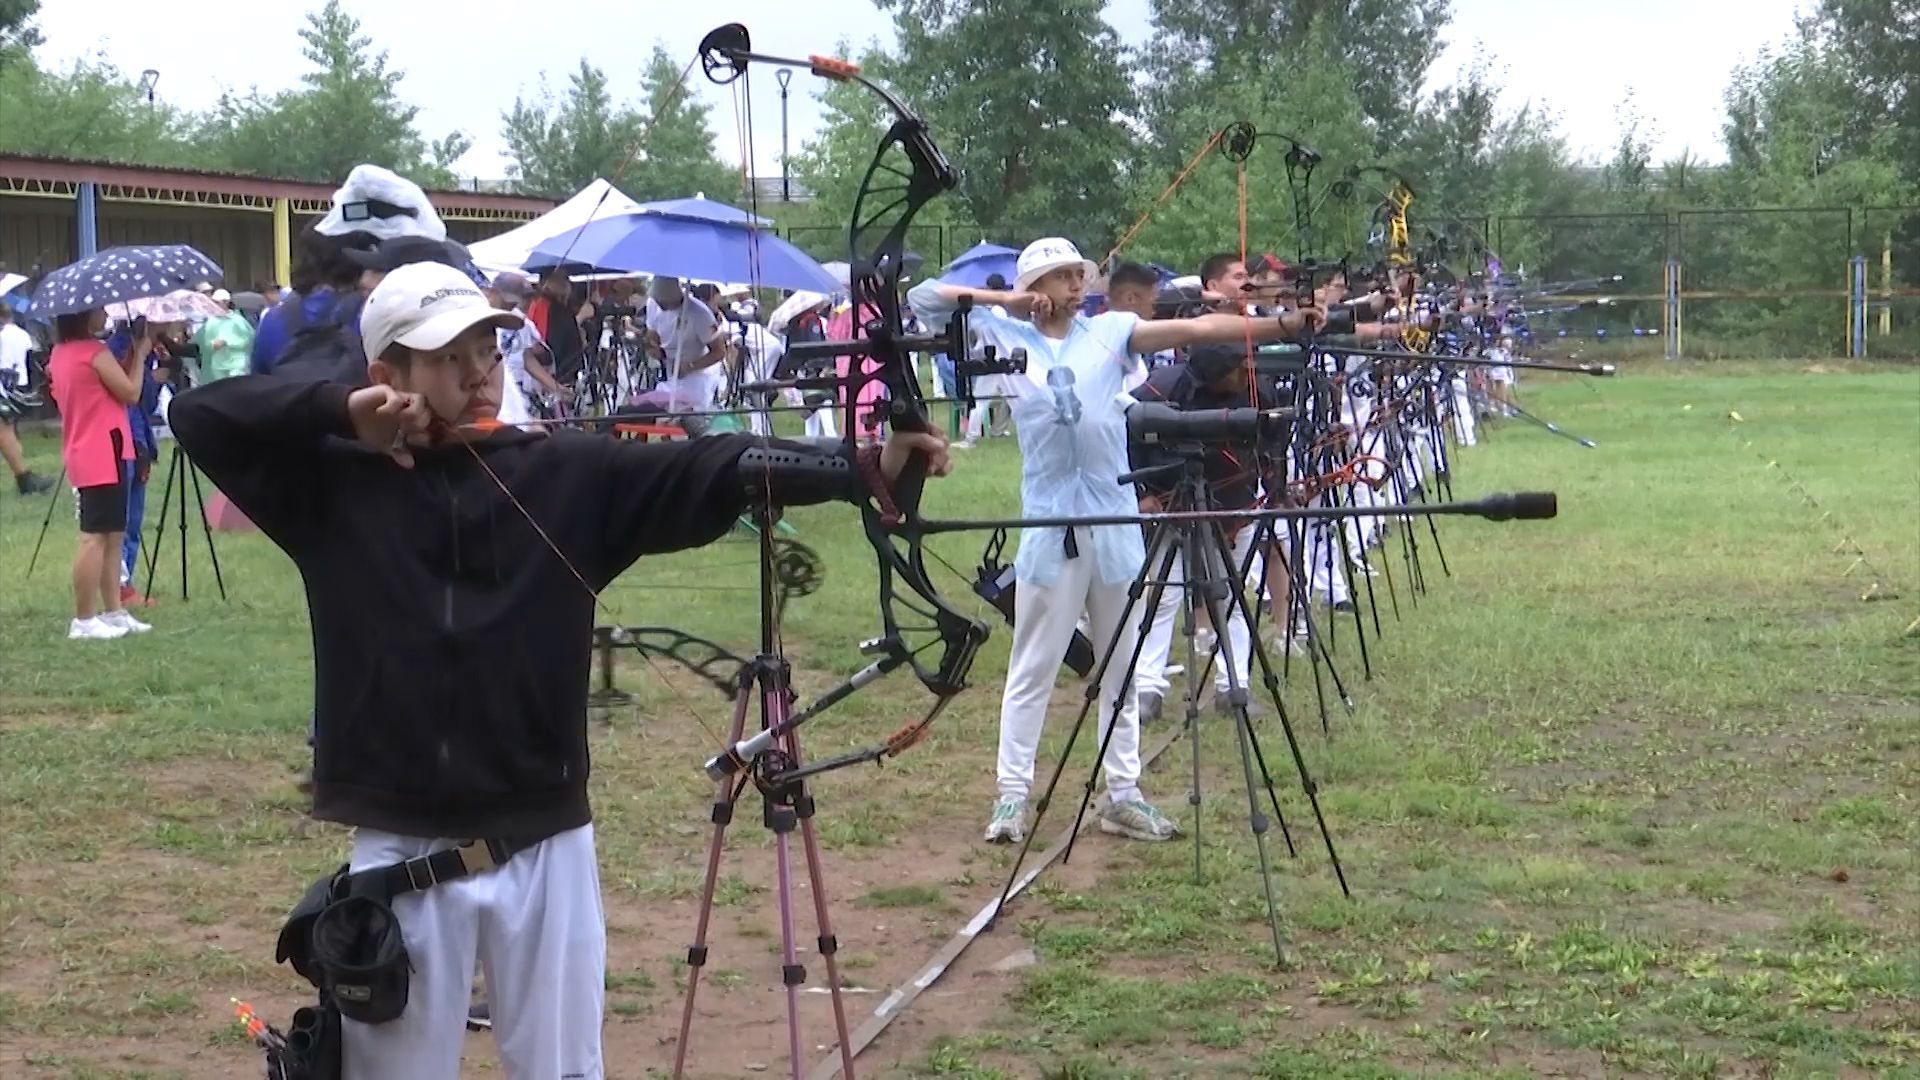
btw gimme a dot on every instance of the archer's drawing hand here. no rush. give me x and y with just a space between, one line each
1031 305
386 419
901 446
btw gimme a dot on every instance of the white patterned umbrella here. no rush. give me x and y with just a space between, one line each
119 274
177 306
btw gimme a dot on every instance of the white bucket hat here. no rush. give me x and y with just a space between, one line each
1050 253
384 203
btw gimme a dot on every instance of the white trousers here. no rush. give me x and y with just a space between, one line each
535 926
1150 676
1043 620
1463 428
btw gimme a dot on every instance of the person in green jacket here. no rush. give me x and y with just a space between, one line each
226 342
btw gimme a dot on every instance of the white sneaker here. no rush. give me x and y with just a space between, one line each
1009 824
124 620
93 629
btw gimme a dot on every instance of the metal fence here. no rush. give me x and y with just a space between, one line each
1801 281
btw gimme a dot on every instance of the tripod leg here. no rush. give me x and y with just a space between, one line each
1347 558
782 818
1210 587
1097 686
725 797
53 499
206 527
160 536
827 944
1307 784
181 521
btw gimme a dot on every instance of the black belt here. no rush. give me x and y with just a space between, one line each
426 871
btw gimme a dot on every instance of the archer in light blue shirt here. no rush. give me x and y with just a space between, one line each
1071 421
1072 425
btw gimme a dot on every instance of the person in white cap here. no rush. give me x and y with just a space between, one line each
451 566
383 204
1071 424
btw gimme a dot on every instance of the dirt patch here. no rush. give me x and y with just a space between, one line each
927 883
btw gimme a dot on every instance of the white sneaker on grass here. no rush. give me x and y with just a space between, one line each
1009 824
124 620
93 629
1136 819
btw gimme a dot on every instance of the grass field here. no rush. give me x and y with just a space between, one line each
1634 791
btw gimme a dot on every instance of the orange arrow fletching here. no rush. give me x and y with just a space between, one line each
830 68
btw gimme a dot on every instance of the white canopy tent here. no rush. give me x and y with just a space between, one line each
511 250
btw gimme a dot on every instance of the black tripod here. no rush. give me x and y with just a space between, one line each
180 473
1209 580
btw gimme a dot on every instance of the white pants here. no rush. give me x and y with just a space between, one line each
820 421
534 925
1463 428
1150 676
1043 620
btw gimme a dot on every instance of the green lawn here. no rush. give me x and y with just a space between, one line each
1633 791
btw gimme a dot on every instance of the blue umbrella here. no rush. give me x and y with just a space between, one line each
655 243
701 208
975 265
119 274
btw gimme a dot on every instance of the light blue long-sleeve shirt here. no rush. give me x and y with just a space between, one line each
1073 434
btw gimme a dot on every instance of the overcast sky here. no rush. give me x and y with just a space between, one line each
466 62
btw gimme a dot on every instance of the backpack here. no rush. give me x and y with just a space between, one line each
328 349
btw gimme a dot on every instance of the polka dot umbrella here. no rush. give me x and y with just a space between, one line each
120 274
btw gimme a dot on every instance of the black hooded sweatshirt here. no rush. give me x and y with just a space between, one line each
450 643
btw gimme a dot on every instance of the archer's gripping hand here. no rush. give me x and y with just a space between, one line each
901 447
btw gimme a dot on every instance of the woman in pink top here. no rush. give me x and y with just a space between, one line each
93 391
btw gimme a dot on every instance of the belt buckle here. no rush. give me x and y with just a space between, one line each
476 856
414 879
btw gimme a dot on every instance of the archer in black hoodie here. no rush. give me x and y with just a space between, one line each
451 641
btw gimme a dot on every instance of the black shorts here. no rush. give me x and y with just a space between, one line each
103 508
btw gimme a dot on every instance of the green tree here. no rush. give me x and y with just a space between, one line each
1469 160
831 166
1797 132
18 36
557 148
1881 41
1629 173
347 111
1314 101
89 110
676 154
1028 101
1202 46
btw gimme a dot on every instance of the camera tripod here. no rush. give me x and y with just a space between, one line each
780 776
1209 582
180 472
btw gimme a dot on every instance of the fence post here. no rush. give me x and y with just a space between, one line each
1886 283
1857 307
1671 313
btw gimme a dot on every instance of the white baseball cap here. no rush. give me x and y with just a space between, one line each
1049 253
425 306
222 295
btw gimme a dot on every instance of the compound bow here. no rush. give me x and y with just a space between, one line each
907 171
